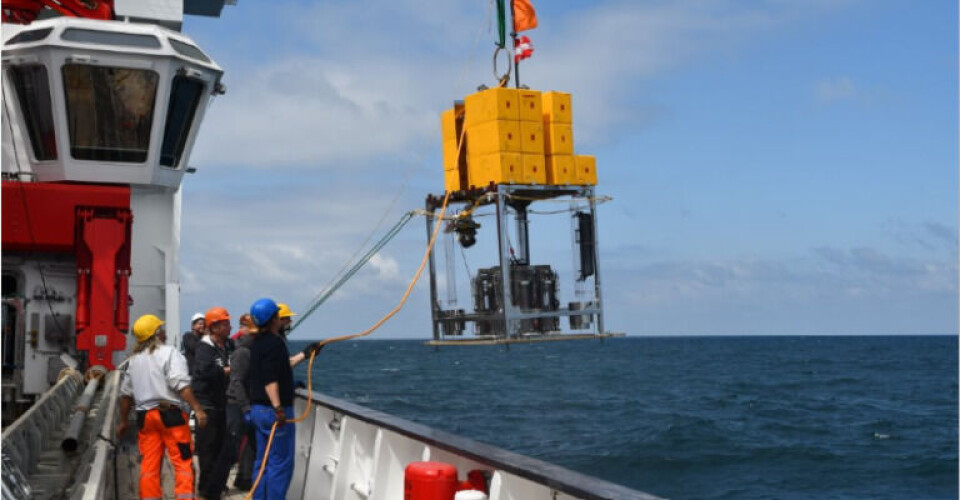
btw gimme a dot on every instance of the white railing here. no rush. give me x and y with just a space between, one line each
24 438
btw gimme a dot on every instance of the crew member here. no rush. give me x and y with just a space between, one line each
211 369
239 426
270 384
286 318
157 382
191 338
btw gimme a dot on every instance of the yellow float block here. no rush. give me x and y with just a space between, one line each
448 125
560 170
531 108
498 168
534 171
450 154
491 104
498 136
451 179
531 138
586 170
557 107
558 138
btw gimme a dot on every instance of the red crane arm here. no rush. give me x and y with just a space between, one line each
26 11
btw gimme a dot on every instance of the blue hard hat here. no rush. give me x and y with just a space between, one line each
262 310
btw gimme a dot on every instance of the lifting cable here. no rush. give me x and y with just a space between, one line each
333 287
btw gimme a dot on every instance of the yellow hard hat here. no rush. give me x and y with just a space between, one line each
146 326
285 311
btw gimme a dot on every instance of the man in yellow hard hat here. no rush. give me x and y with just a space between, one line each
157 381
286 318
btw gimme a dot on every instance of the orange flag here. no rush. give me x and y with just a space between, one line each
524 17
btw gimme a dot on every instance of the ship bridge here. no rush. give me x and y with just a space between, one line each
103 102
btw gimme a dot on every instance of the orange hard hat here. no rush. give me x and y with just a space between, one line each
215 314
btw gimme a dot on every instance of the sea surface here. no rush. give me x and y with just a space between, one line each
686 417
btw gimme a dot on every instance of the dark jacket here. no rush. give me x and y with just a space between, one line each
269 362
239 367
189 348
209 383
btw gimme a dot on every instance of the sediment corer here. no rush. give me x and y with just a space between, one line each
71 441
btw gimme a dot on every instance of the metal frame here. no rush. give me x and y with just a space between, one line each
510 316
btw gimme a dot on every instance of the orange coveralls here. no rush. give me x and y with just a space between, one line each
153 379
154 437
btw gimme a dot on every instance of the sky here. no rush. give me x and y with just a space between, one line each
776 167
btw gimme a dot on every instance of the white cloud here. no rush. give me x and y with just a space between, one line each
362 83
859 290
833 89
387 267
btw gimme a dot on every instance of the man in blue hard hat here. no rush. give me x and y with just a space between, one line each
270 383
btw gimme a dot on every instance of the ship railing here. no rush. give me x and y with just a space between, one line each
23 440
345 450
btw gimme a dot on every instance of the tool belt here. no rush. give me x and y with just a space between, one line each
170 414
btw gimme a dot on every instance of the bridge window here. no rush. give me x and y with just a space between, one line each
184 98
110 38
109 112
29 36
185 49
33 93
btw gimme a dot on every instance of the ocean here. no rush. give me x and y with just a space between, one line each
686 417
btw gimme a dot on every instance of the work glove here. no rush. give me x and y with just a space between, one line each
312 348
281 416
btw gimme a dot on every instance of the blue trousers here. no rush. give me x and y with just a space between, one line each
279 471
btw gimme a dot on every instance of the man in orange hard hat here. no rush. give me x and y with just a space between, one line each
211 370
156 380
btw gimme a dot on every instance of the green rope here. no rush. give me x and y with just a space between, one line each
391 233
